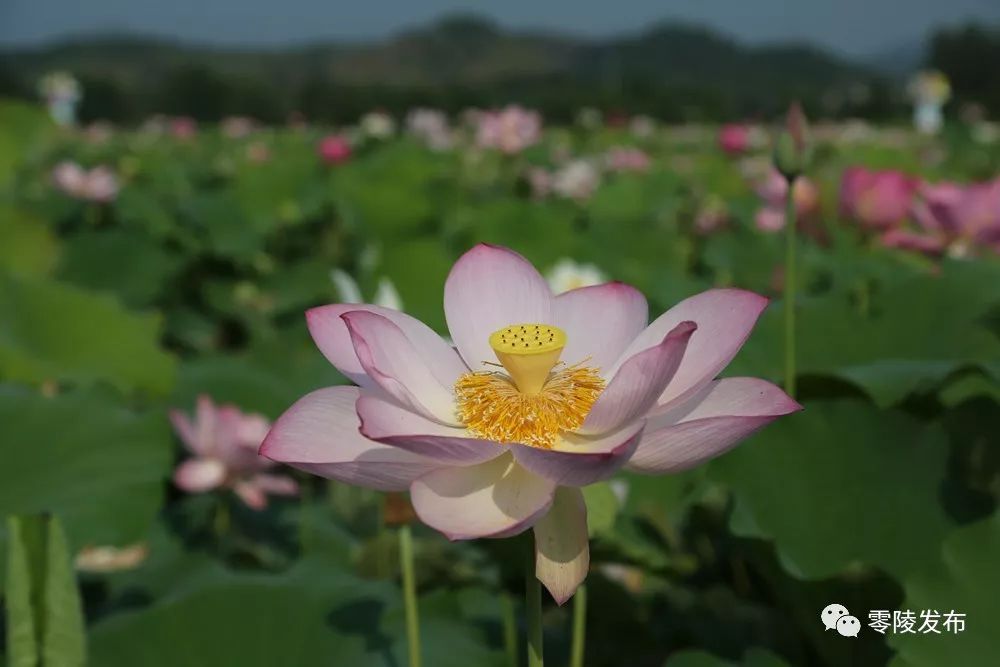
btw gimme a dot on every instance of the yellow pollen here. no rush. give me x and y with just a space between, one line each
535 403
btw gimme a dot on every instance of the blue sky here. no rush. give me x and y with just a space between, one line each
854 27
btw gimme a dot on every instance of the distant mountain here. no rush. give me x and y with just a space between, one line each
900 60
465 60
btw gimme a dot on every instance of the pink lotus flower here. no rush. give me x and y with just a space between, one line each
334 149
774 190
237 127
540 182
224 442
510 130
712 216
952 218
97 185
183 127
734 139
878 200
431 127
623 158
577 180
491 449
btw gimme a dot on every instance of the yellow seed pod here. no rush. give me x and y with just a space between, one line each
528 352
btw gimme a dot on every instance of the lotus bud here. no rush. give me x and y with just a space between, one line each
792 150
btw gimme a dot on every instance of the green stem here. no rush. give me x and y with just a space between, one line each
409 595
509 628
790 279
221 522
533 613
579 627
305 519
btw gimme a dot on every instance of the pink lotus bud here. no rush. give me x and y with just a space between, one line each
334 149
791 149
734 139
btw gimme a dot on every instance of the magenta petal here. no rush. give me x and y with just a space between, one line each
185 430
279 485
199 475
396 366
252 495
490 288
578 460
600 322
725 318
562 547
387 422
709 424
638 383
332 338
497 498
319 434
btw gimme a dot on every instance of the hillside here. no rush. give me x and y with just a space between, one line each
463 59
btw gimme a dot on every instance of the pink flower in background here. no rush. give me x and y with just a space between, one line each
626 158
431 127
334 149
712 216
878 200
183 127
224 442
586 387
577 180
540 181
99 132
734 138
952 218
774 190
258 152
99 184
509 130
237 127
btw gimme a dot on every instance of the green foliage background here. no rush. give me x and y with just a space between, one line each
881 494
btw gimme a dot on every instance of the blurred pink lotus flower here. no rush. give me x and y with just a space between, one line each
224 442
258 152
99 184
878 200
183 127
642 127
626 158
540 181
487 452
431 127
334 149
509 130
952 218
734 138
99 132
711 217
576 180
237 127
377 125
774 190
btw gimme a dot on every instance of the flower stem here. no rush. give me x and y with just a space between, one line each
409 595
579 627
221 522
533 613
790 279
509 628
